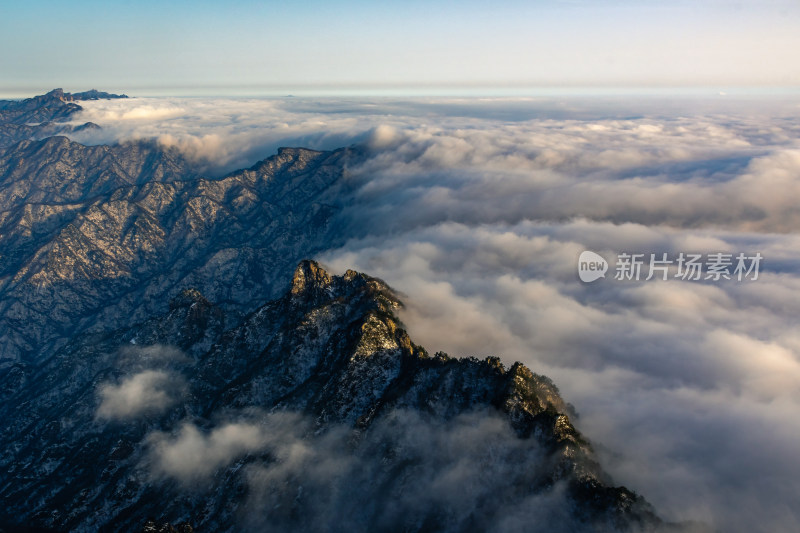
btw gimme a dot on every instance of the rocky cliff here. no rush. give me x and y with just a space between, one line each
185 418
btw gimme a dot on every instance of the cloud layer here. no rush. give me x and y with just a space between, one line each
478 211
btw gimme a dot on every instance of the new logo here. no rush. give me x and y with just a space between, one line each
591 266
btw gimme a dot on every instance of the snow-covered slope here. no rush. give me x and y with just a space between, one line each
185 419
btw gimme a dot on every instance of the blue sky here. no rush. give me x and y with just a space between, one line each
149 46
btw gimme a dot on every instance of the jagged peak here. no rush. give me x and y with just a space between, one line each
94 94
311 280
309 274
350 275
55 93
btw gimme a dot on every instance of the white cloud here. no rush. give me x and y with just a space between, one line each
191 455
477 212
145 393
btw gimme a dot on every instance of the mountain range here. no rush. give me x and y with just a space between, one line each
170 356
43 116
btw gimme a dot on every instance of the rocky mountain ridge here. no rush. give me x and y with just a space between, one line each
44 116
87 232
331 353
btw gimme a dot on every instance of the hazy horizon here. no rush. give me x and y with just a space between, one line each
411 91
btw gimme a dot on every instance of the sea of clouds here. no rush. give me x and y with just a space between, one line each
477 210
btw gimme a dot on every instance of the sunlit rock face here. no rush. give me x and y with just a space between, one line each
275 421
